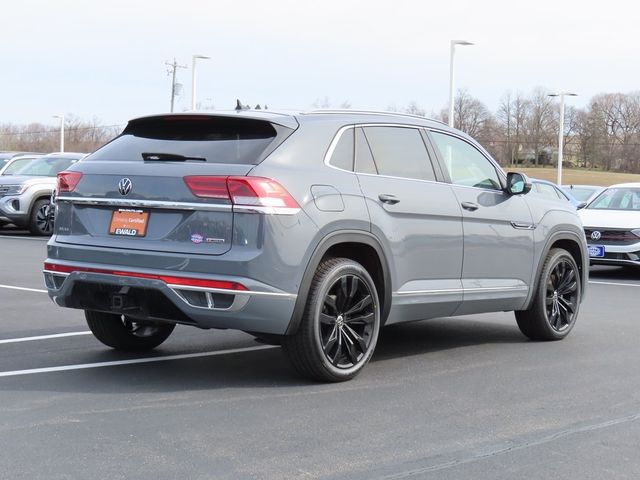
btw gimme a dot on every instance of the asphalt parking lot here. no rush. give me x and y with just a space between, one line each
467 397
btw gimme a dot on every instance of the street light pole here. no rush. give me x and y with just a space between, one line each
61 117
561 131
452 75
193 78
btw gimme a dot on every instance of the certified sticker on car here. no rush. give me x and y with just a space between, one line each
596 251
129 223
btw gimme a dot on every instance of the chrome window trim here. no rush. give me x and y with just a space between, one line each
336 139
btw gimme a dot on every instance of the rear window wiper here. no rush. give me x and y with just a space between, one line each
169 157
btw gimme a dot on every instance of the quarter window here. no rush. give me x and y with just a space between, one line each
342 156
400 152
465 164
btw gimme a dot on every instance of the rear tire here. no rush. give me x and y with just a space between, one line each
556 301
340 324
39 219
122 333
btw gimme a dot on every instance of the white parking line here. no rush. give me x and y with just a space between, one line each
43 337
83 366
617 284
11 287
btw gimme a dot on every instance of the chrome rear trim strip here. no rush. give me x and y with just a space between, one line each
154 204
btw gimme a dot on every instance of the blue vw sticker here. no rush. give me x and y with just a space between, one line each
596 251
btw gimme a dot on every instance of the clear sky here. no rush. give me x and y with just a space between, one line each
106 59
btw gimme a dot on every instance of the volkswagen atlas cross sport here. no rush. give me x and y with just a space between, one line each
309 230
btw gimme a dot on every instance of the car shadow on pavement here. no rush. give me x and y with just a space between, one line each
258 369
435 335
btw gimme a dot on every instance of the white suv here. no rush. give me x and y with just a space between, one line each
25 195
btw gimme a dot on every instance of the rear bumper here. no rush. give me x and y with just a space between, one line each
261 308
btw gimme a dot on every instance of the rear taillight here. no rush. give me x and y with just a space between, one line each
260 192
265 194
208 187
67 181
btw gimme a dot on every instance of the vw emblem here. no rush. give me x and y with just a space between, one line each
595 235
124 186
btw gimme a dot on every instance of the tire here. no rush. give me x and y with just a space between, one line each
556 302
120 332
39 219
340 324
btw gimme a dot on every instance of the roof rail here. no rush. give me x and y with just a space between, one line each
369 112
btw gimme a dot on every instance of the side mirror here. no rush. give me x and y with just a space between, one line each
581 205
518 184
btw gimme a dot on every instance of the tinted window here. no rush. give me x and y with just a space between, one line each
399 152
465 164
342 156
364 159
216 139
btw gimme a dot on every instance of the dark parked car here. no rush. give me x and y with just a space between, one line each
312 231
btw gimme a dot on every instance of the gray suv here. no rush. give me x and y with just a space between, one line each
312 231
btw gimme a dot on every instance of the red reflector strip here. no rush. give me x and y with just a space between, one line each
170 279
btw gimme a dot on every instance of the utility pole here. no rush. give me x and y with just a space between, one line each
172 71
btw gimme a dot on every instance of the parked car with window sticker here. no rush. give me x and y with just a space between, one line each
310 230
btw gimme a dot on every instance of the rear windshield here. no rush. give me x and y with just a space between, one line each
211 139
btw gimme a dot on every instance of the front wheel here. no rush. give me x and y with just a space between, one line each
556 301
340 324
40 221
124 333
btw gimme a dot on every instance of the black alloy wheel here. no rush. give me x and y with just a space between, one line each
556 299
40 222
347 321
562 295
339 327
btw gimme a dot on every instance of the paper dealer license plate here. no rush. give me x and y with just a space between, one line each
129 223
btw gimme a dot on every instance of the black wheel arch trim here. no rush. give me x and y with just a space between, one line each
335 238
584 265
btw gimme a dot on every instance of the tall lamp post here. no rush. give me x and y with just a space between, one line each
193 78
452 75
561 130
61 117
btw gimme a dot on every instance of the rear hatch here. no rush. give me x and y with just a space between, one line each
135 192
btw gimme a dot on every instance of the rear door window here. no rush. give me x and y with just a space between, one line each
210 139
400 152
364 159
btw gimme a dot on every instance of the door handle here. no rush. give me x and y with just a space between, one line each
470 206
388 198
